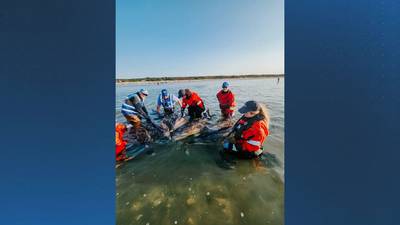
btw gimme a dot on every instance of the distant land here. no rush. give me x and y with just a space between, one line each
161 79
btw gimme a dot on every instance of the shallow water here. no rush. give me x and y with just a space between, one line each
182 184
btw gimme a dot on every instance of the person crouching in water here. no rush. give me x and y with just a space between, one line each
249 132
226 101
134 110
168 102
195 103
120 143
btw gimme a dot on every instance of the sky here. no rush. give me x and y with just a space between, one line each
199 37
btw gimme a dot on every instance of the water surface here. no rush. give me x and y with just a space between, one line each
182 184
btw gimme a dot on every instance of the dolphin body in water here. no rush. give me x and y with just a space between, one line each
203 130
191 128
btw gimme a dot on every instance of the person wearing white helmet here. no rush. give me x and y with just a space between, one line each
134 109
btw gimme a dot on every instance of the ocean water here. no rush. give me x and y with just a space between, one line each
181 182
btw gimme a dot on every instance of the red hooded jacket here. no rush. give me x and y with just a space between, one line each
120 143
193 100
226 101
252 138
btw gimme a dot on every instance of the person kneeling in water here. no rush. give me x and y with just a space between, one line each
195 103
120 143
134 109
226 101
249 132
167 101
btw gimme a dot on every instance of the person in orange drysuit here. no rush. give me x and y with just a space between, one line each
226 101
249 132
194 102
120 143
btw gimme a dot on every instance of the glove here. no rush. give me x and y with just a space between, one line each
234 148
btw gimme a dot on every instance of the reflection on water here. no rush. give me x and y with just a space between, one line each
182 184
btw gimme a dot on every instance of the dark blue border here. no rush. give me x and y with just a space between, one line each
342 112
57 112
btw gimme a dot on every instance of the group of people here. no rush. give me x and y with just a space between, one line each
244 141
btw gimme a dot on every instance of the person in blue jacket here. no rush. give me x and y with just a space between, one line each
134 109
167 101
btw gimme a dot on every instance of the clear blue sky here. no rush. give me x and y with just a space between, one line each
199 37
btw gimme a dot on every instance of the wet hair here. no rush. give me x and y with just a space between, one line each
265 113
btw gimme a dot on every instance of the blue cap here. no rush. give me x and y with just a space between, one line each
225 85
164 92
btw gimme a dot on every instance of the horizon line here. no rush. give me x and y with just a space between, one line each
210 75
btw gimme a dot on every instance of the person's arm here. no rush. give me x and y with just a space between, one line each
141 109
177 100
145 110
184 104
199 100
159 103
183 107
232 104
158 109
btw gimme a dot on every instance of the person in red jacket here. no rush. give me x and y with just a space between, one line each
194 102
226 101
249 132
120 143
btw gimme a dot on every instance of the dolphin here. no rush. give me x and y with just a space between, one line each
215 132
186 129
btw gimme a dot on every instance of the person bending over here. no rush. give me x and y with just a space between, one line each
167 101
134 109
194 102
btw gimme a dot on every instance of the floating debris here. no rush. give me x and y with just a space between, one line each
208 193
175 222
241 214
127 203
138 217
190 189
147 223
157 202
190 201
144 195
136 206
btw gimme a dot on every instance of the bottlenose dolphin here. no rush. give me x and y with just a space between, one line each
187 128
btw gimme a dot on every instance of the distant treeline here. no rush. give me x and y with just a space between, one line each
198 77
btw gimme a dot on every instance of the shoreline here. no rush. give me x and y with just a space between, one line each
151 80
